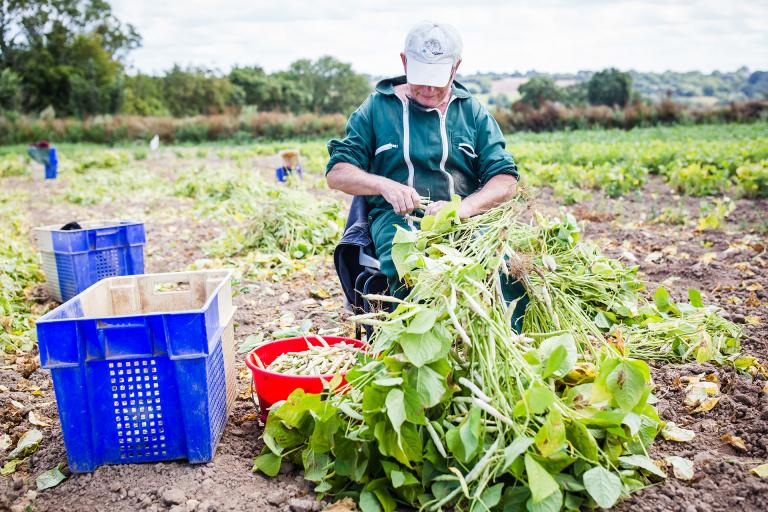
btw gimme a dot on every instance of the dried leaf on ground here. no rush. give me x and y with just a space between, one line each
39 420
681 468
50 478
10 467
343 505
734 441
5 442
707 405
671 432
701 396
761 470
320 293
28 443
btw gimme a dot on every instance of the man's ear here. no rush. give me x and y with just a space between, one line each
456 66
405 65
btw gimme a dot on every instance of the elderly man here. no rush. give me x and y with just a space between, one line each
422 135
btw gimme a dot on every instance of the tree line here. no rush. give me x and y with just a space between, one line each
66 58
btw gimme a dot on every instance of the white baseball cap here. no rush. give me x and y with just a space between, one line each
431 50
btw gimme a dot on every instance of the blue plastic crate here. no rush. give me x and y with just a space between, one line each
75 259
143 367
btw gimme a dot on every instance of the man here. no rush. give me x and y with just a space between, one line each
421 135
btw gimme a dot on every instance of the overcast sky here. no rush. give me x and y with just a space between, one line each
502 36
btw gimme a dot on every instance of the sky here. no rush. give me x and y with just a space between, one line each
500 36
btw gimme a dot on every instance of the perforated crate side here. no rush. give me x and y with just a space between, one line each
68 275
137 409
217 394
105 264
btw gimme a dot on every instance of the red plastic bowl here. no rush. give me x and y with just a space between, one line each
272 387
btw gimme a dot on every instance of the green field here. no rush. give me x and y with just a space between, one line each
636 233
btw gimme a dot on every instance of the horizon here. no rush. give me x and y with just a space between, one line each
554 37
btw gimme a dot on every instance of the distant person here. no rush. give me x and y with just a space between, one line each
43 153
290 166
423 134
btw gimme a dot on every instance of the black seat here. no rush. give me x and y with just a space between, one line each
356 264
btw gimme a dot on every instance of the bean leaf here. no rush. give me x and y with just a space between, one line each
550 439
395 404
627 383
642 462
464 440
694 297
603 486
422 321
421 349
268 463
489 498
515 449
539 480
558 355
552 503
430 386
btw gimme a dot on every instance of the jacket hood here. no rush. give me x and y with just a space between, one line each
387 87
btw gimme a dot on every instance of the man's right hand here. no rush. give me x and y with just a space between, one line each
404 199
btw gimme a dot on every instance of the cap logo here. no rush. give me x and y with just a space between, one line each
432 46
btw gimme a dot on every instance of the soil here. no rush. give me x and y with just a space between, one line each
729 266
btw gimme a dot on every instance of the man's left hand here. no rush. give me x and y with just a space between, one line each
435 207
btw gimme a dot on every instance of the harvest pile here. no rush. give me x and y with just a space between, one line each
264 217
316 360
455 409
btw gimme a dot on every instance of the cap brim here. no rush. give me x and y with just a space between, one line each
433 75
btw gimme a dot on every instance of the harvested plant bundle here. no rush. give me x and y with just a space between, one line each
281 219
316 360
454 409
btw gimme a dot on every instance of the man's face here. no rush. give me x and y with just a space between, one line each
427 95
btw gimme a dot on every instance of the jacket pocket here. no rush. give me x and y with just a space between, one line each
467 149
385 147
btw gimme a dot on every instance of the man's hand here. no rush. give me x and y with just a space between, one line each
433 208
500 188
404 199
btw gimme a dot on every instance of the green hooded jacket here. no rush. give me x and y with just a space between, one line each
437 154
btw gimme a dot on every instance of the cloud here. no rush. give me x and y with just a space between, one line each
552 35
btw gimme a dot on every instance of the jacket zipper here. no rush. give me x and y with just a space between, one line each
444 137
407 142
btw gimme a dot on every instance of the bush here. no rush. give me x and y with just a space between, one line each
753 179
698 179
554 116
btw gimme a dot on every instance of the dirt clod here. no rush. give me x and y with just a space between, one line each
277 497
174 496
303 505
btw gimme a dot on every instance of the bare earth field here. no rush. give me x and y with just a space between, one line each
729 266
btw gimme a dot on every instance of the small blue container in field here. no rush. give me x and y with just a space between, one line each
143 368
75 259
